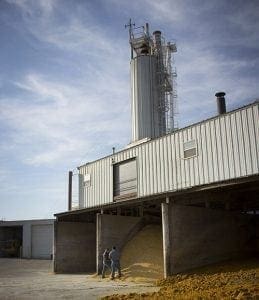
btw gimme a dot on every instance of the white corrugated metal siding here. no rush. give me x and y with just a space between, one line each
227 148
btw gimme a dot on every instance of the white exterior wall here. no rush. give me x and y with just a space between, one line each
227 148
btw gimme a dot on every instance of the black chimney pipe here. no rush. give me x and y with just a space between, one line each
221 102
70 176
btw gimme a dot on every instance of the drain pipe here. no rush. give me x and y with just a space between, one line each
70 175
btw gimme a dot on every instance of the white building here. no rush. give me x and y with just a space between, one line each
219 149
33 237
200 183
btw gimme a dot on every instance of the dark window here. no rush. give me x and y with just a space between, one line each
189 149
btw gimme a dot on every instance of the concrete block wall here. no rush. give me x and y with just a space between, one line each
74 247
201 236
114 230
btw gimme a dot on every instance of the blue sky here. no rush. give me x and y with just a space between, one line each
65 89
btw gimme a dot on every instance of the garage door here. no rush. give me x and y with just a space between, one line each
42 241
125 179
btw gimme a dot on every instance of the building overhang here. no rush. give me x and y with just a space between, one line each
173 195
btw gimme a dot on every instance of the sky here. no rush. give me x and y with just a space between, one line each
65 83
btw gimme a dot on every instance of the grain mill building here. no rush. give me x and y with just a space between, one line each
200 183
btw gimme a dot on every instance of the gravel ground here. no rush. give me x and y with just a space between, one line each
34 279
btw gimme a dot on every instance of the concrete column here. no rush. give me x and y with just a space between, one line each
166 237
55 246
98 243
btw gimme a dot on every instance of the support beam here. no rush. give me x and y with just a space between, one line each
166 237
98 243
55 246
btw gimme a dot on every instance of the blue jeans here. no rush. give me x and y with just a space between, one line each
106 265
115 266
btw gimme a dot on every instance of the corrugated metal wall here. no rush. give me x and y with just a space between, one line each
227 148
144 98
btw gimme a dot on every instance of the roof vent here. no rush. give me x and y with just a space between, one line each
221 103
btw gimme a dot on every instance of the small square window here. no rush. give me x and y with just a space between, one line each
189 149
87 180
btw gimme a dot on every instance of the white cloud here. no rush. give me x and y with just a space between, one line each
29 7
62 118
64 123
165 10
43 90
78 37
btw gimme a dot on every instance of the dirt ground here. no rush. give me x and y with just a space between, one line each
34 279
231 280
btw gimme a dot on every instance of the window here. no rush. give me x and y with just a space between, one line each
125 180
189 149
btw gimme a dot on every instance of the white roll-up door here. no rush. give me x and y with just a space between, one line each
125 179
42 241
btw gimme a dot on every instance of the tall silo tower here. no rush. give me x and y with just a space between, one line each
153 91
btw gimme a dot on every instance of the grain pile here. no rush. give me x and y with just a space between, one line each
142 257
235 280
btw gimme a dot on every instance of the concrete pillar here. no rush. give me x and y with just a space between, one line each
166 237
98 243
55 245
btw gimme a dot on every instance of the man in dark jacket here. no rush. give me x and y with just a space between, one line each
115 262
106 262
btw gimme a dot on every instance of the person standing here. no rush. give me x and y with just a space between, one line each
115 262
106 262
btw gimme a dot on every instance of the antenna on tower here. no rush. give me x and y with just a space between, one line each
130 25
